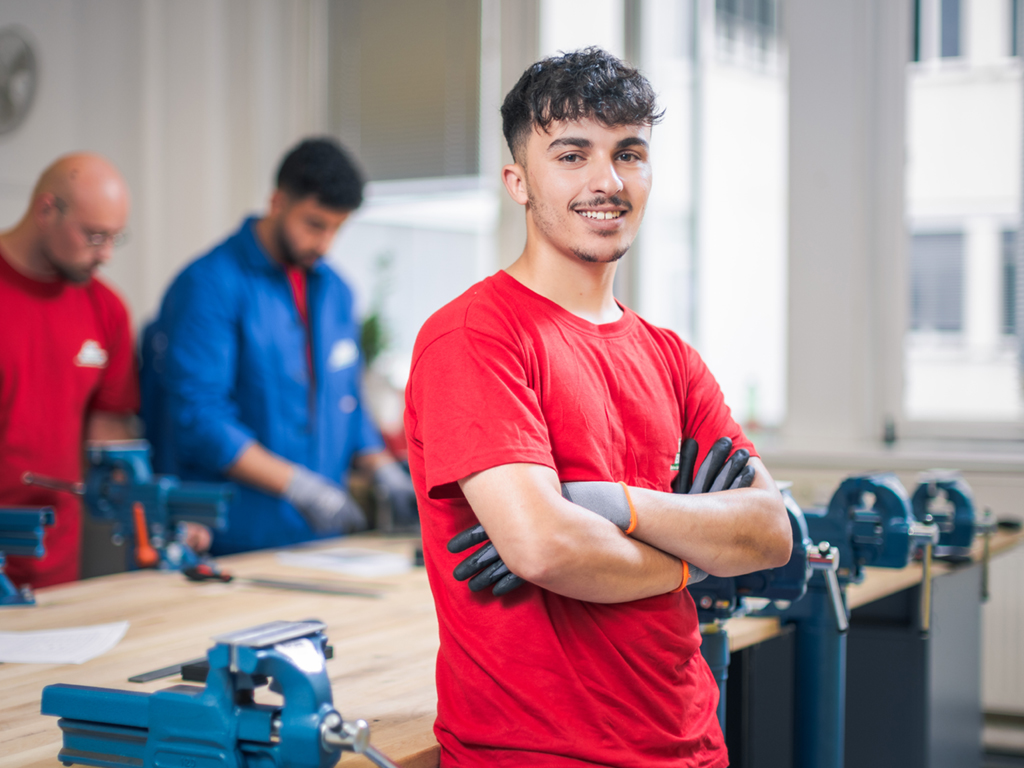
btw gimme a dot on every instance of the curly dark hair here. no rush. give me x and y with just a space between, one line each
589 83
322 168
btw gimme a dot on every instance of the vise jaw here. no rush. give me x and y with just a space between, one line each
944 496
219 725
871 522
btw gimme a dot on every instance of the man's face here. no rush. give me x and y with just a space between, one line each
587 186
80 236
304 229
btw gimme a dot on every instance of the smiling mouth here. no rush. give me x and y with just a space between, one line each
601 215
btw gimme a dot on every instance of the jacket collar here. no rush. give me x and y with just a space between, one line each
256 255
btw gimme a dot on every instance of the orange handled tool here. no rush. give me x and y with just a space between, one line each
145 555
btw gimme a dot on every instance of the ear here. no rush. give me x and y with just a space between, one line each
514 178
278 202
43 207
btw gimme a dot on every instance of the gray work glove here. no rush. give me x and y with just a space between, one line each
396 499
323 504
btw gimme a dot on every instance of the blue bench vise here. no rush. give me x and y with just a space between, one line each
869 522
219 725
21 534
943 496
719 598
120 477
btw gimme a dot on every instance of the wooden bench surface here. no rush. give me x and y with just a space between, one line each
384 647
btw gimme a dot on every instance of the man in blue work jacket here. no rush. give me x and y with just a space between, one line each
251 371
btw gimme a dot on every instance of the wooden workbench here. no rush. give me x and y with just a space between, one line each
384 647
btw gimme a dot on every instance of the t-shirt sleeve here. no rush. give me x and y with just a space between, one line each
706 417
118 390
475 409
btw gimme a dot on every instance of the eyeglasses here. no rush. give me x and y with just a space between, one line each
93 239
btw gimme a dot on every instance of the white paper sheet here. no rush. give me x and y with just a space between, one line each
352 561
71 645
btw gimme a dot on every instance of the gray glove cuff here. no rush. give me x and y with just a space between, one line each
696 574
605 499
323 504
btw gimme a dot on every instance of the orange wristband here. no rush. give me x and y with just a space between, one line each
686 577
632 509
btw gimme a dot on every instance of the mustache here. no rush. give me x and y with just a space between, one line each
602 200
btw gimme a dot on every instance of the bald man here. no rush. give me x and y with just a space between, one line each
67 372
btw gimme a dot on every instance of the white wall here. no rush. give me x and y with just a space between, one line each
194 100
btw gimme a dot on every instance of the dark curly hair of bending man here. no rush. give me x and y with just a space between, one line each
589 83
323 169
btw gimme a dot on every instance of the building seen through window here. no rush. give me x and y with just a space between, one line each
962 361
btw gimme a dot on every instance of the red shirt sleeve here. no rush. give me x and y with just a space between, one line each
475 408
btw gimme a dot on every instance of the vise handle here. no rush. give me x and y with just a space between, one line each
824 557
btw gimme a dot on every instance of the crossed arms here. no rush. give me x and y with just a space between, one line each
562 547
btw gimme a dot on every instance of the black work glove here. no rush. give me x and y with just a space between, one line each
396 499
715 473
485 563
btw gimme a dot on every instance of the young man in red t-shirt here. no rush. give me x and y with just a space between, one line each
536 377
67 367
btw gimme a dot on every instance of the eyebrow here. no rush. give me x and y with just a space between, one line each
572 141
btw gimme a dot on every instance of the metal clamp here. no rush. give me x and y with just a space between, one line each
351 735
925 535
824 557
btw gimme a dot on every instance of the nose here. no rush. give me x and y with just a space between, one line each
105 251
605 179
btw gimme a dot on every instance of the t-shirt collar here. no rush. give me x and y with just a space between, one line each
564 316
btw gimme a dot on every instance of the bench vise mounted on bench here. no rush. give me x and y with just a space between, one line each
870 522
147 510
219 725
21 534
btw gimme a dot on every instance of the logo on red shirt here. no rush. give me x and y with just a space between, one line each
91 355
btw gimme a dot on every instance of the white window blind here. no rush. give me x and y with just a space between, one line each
405 96
937 272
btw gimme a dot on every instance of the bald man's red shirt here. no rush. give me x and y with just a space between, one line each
65 351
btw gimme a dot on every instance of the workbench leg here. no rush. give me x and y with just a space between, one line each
820 684
714 646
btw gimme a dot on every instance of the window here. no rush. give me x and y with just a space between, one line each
950 28
749 22
915 32
1009 313
936 282
937 29
1015 13
405 97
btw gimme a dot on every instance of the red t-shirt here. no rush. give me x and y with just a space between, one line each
65 350
503 375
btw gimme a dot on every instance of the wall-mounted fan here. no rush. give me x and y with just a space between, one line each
18 77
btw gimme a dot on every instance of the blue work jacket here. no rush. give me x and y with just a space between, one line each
225 365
